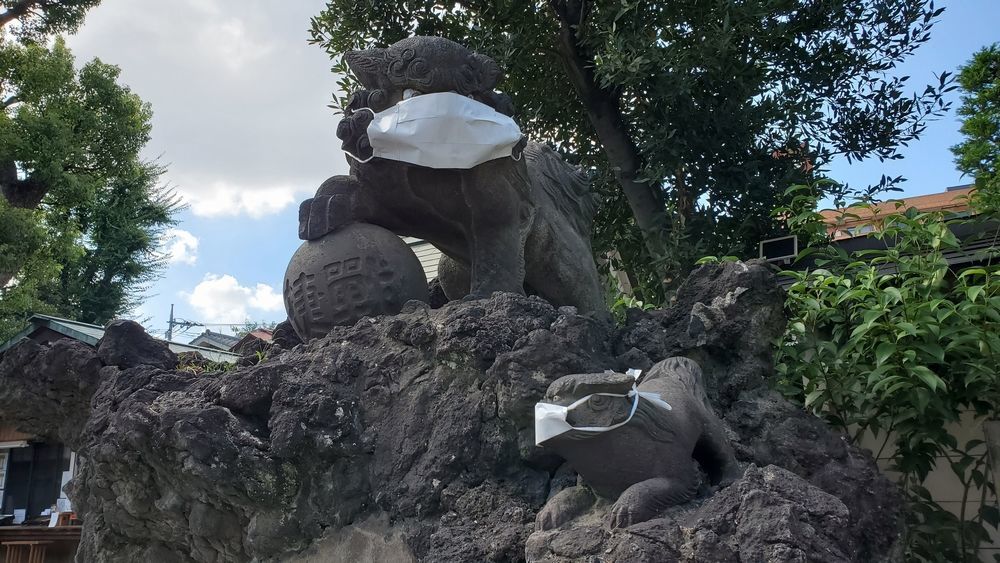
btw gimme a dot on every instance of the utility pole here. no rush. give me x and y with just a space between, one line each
170 324
179 323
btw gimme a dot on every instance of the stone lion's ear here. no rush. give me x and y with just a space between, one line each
489 72
367 65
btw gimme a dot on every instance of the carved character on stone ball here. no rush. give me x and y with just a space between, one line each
435 154
638 443
360 270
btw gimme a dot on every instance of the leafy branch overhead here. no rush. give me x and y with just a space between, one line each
82 213
36 19
694 116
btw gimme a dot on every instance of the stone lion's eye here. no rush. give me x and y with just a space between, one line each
598 402
411 93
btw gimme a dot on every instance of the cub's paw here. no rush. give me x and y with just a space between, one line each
551 517
627 512
565 506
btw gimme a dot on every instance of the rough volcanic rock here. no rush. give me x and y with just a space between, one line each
435 294
46 389
125 344
770 514
773 431
284 336
412 434
724 316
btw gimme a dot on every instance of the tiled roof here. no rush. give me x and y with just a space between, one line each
955 201
215 340
261 333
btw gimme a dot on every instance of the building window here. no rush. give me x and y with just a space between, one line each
862 230
4 454
34 478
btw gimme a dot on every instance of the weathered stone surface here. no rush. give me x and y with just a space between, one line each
769 515
125 344
773 431
46 389
435 294
359 270
423 422
724 316
504 225
284 336
371 541
659 454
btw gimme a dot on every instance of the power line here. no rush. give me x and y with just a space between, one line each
185 325
178 322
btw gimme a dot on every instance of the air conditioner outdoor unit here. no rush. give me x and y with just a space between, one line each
781 249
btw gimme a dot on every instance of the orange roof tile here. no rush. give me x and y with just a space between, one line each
954 201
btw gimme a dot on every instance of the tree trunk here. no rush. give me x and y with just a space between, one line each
23 194
645 200
16 11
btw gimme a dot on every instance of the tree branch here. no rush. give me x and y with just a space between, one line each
9 102
23 194
16 11
609 123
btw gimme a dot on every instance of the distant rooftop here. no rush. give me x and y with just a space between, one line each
217 340
858 220
46 328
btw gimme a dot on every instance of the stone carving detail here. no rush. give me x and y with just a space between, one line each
505 225
414 434
357 271
647 465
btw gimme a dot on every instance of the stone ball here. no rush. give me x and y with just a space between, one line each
360 270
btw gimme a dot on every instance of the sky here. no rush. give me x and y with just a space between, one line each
241 121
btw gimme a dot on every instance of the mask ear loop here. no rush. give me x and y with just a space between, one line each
348 153
635 405
520 155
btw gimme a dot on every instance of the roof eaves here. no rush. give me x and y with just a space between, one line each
65 327
17 338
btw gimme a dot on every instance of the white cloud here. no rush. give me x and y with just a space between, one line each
266 299
239 97
221 299
219 198
180 247
233 44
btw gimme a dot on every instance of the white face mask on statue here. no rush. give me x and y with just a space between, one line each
441 130
550 418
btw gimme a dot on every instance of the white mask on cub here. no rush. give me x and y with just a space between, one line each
441 130
550 418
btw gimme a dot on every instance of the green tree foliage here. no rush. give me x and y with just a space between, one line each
694 115
64 133
80 214
979 154
893 343
35 19
123 225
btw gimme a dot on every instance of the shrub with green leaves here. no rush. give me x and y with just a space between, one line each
896 343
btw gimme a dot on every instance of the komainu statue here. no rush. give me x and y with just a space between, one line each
634 443
435 154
